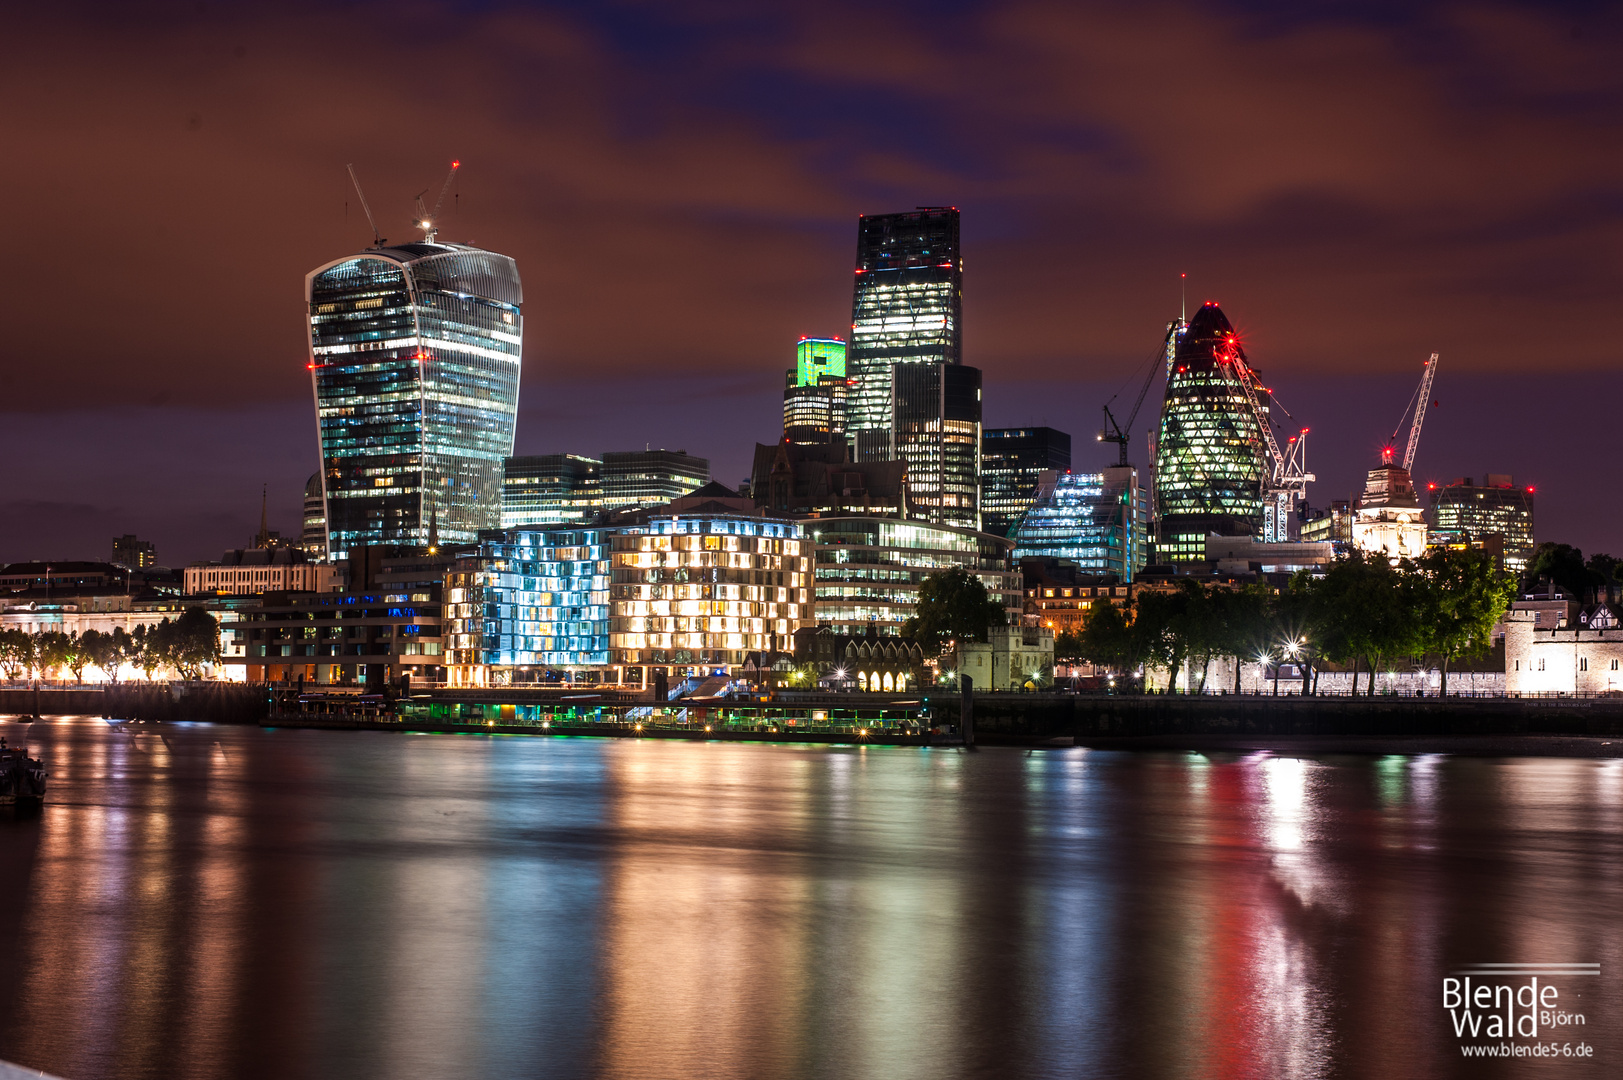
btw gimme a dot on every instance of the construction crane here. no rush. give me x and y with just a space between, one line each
1422 397
427 220
377 241
1117 433
1285 476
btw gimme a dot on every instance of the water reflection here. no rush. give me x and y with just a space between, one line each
201 901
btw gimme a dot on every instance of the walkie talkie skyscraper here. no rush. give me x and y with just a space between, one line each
414 362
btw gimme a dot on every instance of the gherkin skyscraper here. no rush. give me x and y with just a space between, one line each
1210 453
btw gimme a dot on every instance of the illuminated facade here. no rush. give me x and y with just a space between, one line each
680 592
550 489
414 361
816 358
936 432
1012 463
1463 512
1099 521
816 413
1210 451
869 569
1388 519
534 598
313 534
649 477
907 306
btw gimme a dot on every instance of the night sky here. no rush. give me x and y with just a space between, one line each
1359 185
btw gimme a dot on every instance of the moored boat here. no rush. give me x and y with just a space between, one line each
22 778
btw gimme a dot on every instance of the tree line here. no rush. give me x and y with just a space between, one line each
186 646
1363 611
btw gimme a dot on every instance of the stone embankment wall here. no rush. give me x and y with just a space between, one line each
217 702
1057 715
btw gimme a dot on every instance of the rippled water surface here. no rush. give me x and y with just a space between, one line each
200 901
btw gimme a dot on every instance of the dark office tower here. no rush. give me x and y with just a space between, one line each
1210 452
651 477
313 537
814 395
543 490
906 308
133 553
414 358
1012 463
937 413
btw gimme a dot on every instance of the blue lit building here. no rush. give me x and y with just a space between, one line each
414 362
532 598
1099 521
646 590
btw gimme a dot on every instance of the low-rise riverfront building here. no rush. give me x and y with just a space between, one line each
1567 659
650 590
251 571
869 569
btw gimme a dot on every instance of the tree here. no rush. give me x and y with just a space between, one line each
51 650
107 651
1068 646
953 606
1461 595
1364 608
1106 639
74 656
1605 568
1564 565
1244 623
193 642
16 652
1157 631
146 647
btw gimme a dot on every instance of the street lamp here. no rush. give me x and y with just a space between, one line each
1293 649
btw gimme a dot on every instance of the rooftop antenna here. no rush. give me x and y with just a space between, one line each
426 220
377 241
1183 298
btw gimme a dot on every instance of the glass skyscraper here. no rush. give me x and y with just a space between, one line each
650 477
414 360
1210 452
907 307
1462 511
550 489
936 430
1096 520
1012 463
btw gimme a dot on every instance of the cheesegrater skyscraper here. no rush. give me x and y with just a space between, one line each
1209 453
414 361
910 399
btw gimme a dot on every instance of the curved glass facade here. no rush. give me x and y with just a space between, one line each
414 360
1209 457
1096 520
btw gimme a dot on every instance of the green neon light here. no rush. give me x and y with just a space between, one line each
816 357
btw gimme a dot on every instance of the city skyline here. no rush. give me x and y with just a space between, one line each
1286 246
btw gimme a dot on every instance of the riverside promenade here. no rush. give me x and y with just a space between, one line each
1382 724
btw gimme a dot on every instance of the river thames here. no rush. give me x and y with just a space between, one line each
210 901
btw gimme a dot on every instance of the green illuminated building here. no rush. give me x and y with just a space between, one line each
816 357
1210 452
814 399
